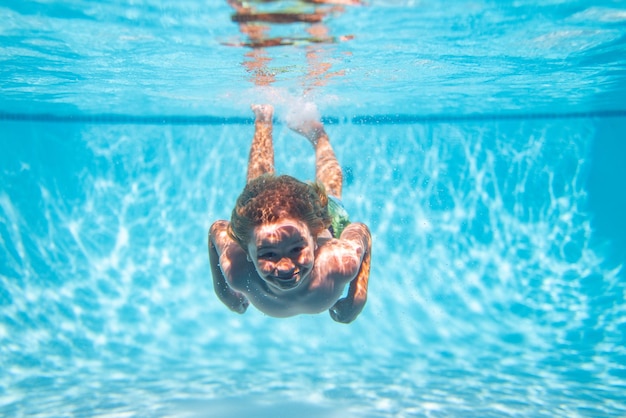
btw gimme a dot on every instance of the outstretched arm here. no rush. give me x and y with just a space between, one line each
218 239
347 309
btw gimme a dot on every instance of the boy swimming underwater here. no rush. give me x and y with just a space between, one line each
289 248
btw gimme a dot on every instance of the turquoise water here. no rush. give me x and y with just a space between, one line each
482 143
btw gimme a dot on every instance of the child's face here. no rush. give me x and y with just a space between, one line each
283 253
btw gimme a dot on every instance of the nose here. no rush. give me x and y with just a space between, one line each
285 266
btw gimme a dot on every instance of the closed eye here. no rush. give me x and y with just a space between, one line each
297 250
268 255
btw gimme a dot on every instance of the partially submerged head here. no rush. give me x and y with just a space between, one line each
276 221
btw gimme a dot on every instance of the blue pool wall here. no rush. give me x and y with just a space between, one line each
485 252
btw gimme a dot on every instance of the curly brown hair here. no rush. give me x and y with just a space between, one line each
268 198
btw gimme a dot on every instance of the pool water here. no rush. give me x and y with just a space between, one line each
482 144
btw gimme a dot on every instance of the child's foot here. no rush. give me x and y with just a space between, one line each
263 113
305 121
310 129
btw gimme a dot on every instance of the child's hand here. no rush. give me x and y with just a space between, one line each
346 310
239 305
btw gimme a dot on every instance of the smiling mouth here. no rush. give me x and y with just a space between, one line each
287 281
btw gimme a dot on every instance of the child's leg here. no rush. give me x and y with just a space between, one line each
261 160
327 168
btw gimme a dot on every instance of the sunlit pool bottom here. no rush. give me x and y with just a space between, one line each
493 291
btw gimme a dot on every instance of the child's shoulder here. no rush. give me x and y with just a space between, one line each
218 234
219 225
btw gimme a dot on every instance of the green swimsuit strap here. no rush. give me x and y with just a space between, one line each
339 218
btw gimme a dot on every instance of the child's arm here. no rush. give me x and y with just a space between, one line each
218 239
347 309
